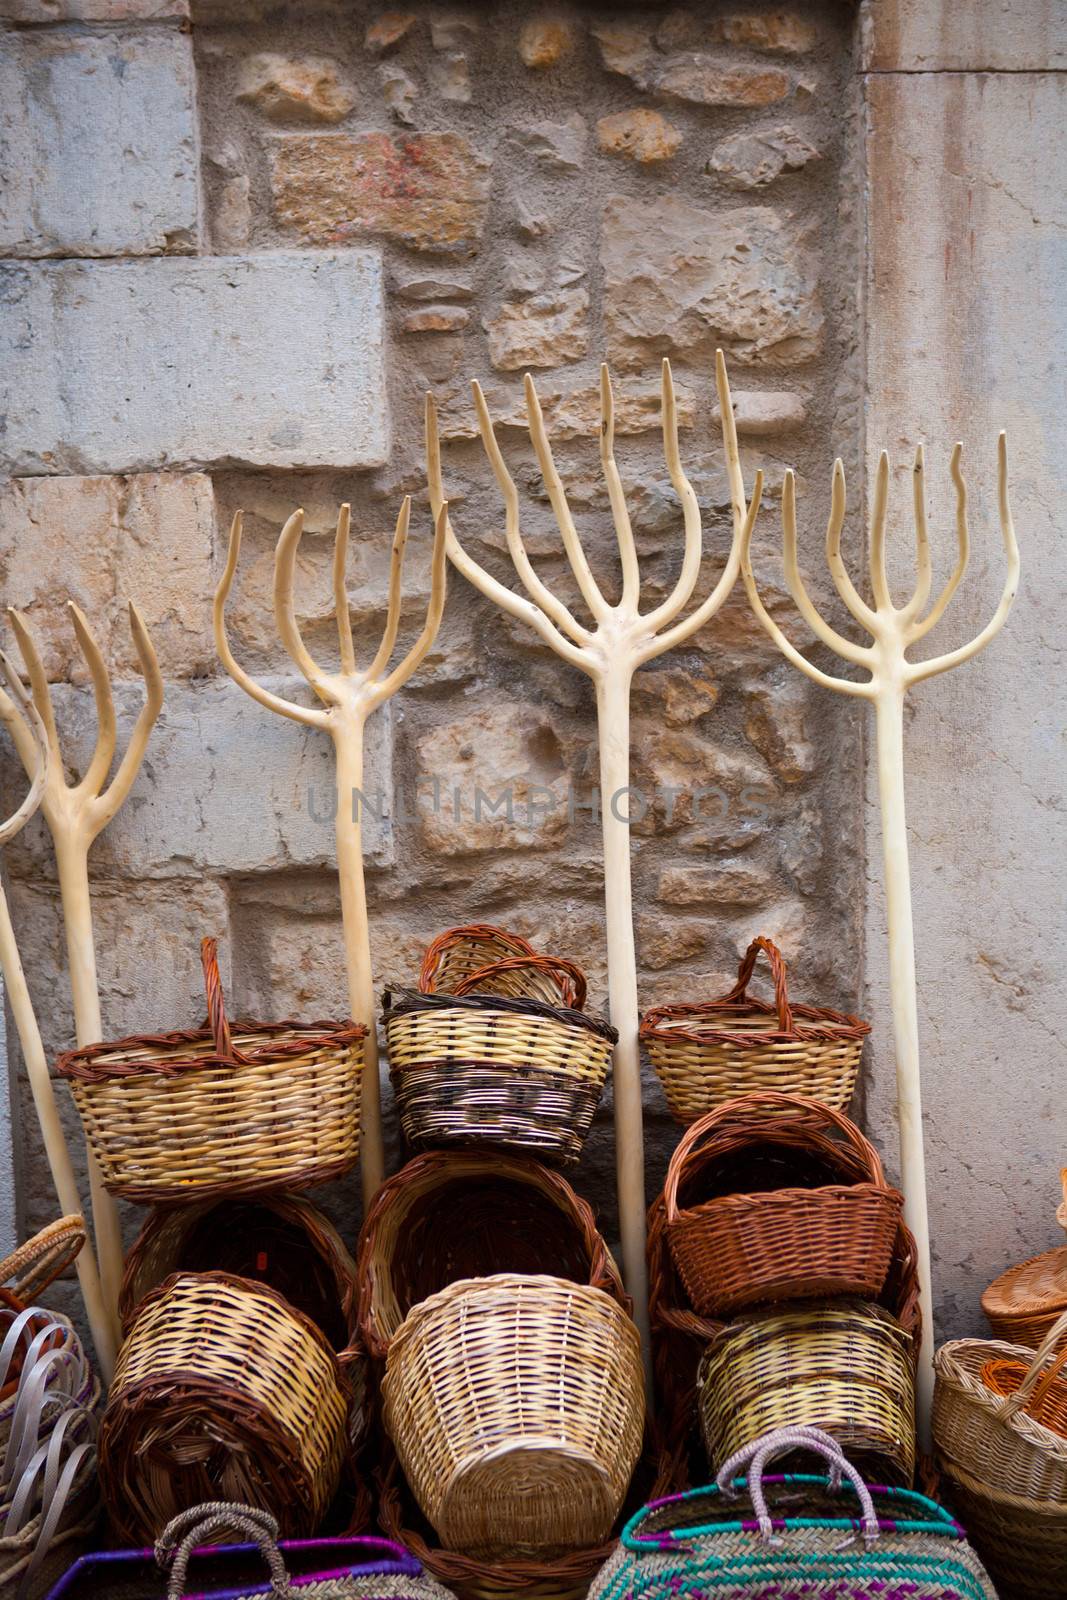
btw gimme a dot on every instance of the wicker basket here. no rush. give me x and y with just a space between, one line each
844 1367
33 1267
474 1068
1024 1302
516 1405
280 1240
712 1052
173 1118
221 1392
773 1198
467 1214
1022 1542
492 961
992 1438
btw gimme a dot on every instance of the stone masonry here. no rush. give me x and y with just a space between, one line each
289 223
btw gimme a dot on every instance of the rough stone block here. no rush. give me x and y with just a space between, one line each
93 10
751 159
643 135
541 331
680 278
100 148
226 786
102 542
426 190
273 359
302 89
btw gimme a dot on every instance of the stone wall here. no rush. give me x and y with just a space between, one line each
241 245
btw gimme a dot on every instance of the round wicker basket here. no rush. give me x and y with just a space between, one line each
773 1197
221 1392
174 1118
516 1405
466 1214
707 1053
482 1068
991 1437
845 1367
1023 1542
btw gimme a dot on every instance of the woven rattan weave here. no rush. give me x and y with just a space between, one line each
1023 1542
516 1407
1024 1302
465 1214
773 1197
845 1367
992 1437
33 1267
281 1240
494 961
488 1069
221 1392
705 1054
174 1118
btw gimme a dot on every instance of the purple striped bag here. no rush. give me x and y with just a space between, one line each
189 1563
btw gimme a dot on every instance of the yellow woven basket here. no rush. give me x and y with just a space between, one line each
844 1366
707 1053
180 1117
516 1405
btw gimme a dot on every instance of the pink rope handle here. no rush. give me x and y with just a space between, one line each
756 1456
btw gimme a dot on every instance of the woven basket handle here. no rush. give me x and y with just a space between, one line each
216 1008
814 1112
1032 1383
210 1524
760 1452
33 1266
568 978
739 992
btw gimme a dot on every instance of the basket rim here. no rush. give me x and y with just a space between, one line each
1024 1309
400 1001
785 1199
952 1370
826 1026
89 1064
462 1288
1049 1510
256 1290
836 1309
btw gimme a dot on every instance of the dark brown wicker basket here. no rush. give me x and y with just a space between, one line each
471 1214
492 1069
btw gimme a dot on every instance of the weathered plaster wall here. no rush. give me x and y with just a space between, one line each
966 334
342 208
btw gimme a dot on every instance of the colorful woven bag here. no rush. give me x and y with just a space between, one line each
724 1541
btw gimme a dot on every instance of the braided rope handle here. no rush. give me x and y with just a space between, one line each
204 1525
566 975
756 1456
39 1262
813 1114
739 993
1033 1384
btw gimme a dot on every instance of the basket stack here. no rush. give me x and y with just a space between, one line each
1000 1435
239 1379
783 1284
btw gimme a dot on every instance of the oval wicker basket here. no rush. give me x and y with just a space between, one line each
707 1053
494 961
1024 1302
174 1118
993 1438
221 1392
845 1367
280 1240
773 1197
486 1069
466 1214
516 1406
1023 1542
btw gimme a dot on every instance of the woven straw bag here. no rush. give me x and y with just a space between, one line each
177 1117
1023 1542
726 1541
1024 1302
516 1405
195 1549
708 1053
494 961
773 1197
845 1367
468 1214
484 1067
222 1391
994 1438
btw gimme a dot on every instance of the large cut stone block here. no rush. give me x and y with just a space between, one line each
92 10
273 360
226 786
99 143
943 36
